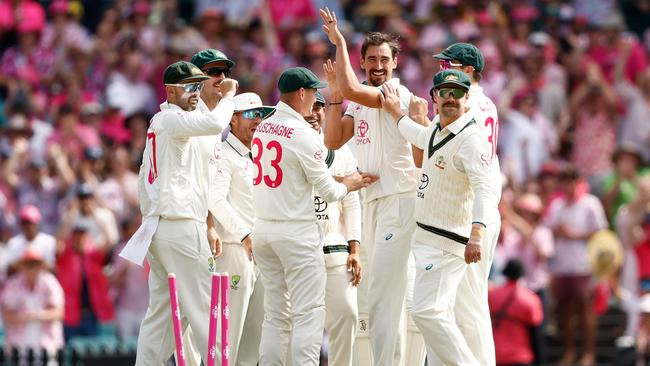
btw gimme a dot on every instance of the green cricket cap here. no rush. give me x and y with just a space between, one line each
181 72
451 78
208 55
320 98
295 78
466 53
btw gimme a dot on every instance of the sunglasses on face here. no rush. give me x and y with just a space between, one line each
191 87
217 71
446 64
253 114
446 92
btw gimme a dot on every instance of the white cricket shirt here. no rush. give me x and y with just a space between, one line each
381 149
174 175
289 159
339 221
232 201
487 119
455 189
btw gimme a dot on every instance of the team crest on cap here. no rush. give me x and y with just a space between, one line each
196 71
451 77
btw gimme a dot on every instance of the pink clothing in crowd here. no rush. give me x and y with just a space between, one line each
17 296
534 257
514 310
84 136
594 143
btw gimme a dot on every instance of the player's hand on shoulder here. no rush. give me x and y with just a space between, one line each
228 87
389 100
418 108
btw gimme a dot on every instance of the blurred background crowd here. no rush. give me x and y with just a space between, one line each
79 81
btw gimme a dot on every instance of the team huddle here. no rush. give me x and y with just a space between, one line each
372 223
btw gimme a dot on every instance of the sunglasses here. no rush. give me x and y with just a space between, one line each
455 92
191 87
217 71
253 113
446 64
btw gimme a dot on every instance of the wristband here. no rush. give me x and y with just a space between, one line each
399 119
336 103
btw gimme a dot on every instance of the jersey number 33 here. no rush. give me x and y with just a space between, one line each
272 147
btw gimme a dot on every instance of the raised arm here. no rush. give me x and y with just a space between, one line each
339 128
347 80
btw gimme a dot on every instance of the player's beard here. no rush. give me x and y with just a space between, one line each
377 80
451 110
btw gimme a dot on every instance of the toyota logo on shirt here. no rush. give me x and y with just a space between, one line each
320 204
363 128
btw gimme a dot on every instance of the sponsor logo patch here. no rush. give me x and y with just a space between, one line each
389 236
428 267
234 282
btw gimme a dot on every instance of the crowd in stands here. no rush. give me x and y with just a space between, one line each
80 79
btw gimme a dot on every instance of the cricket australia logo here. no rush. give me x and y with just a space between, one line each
440 162
321 208
363 326
234 282
362 130
211 264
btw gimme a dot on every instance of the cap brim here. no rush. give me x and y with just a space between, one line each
320 85
229 63
450 83
442 56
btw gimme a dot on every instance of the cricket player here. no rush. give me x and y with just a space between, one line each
232 203
387 205
340 223
289 160
473 313
173 187
453 204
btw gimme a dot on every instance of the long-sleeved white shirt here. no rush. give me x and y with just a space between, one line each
232 201
381 150
339 221
174 175
455 189
289 159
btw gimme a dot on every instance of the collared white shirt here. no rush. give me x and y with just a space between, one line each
380 148
174 175
17 245
232 200
289 159
466 159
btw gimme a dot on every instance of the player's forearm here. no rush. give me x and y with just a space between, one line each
349 85
352 216
334 127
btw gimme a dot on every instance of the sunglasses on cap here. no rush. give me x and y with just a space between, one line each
457 93
253 113
217 71
190 87
446 65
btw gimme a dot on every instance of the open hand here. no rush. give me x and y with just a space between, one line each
330 27
390 101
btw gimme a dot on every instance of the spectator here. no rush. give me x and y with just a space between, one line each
72 136
620 186
128 91
574 218
79 267
516 316
32 306
129 282
31 237
635 128
119 192
101 221
643 334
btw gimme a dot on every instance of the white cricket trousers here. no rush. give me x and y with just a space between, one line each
342 315
438 275
243 284
290 258
180 247
388 228
471 308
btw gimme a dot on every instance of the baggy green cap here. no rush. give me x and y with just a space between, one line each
320 98
181 72
466 53
208 55
295 78
450 77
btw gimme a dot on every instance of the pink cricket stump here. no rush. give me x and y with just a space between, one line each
214 312
176 319
225 316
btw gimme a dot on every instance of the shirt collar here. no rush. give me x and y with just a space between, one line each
167 105
285 108
237 145
201 106
475 90
456 126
